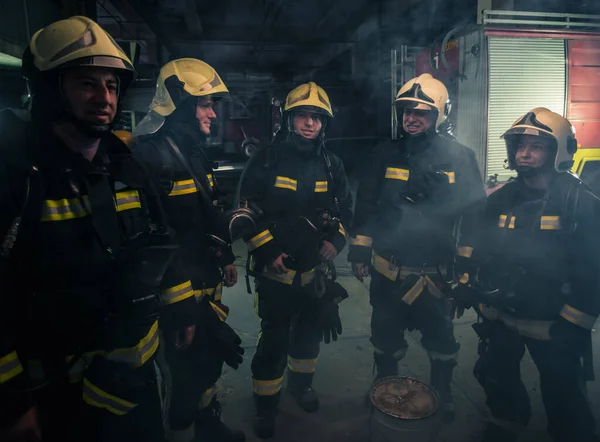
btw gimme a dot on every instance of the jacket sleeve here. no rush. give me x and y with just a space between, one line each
342 192
178 302
361 242
263 242
583 304
470 213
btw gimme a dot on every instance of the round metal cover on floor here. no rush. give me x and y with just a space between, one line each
404 398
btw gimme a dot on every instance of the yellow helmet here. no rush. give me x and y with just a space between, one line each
427 93
184 78
543 122
310 97
76 41
126 137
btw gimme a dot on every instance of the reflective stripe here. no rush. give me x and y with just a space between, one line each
530 328
451 177
184 187
437 356
342 231
502 222
259 240
464 278
177 293
387 269
550 223
128 200
577 317
407 271
207 397
218 293
10 366
285 278
286 183
361 240
465 251
267 388
321 186
219 311
94 396
211 180
64 209
397 174
302 365
307 277
138 355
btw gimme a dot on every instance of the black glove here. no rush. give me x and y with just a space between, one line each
329 323
223 338
464 296
422 184
569 335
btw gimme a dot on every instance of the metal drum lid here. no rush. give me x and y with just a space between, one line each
404 398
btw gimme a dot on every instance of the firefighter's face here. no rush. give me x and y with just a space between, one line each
205 114
417 121
307 124
92 94
532 151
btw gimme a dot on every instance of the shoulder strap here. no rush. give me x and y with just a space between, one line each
330 179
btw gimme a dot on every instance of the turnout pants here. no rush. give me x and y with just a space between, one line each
561 383
289 332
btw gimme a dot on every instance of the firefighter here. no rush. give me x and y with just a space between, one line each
302 191
534 280
187 90
85 256
408 206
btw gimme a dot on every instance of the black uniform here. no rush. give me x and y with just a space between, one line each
287 184
541 250
71 285
407 210
194 372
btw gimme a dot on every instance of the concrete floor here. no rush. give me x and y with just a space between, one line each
345 373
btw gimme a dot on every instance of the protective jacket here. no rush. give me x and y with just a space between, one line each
78 275
292 186
410 200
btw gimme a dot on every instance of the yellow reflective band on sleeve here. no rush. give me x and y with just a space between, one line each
465 251
219 311
138 355
451 177
397 174
267 388
96 397
342 231
211 180
10 366
259 240
65 209
128 200
320 186
502 222
464 278
578 317
361 240
177 293
302 365
550 223
286 183
184 187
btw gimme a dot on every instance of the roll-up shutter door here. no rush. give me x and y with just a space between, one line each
524 73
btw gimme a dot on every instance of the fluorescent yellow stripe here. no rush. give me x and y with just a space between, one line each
10 366
451 177
65 209
218 293
384 267
321 186
207 398
414 292
361 240
211 180
550 223
219 311
302 365
286 183
177 293
393 173
502 221
465 251
184 187
259 240
464 278
94 396
578 317
342 230
267 388
141 353
128 200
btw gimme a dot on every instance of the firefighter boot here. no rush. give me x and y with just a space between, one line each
263 423
299 385
441 380
210 427
385 365
495 433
